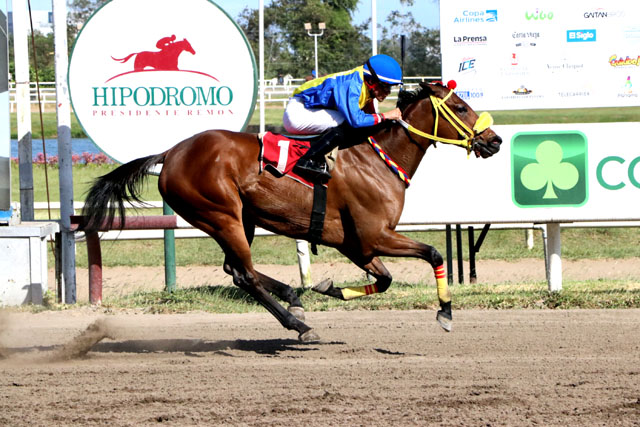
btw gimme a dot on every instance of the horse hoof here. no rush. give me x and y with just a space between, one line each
444 319
309 336
323 286
298 312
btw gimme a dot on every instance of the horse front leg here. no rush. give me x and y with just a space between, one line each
397 245
394 244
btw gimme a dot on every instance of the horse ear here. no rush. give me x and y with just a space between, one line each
428 87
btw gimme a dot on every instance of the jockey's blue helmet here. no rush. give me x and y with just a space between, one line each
384 68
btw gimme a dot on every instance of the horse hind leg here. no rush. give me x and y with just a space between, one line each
238 264
375 268
247 282
277 288
285 293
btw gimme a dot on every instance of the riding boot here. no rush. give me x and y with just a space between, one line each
312 163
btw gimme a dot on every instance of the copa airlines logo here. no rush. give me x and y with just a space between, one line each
476 16
155 82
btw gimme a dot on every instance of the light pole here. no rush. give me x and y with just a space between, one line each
321 27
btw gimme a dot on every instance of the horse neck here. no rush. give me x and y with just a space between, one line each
177 47
403 147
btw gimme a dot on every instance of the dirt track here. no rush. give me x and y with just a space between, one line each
371 368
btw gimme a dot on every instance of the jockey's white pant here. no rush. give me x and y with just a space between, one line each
298 120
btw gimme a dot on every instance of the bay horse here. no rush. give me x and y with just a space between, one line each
165 59
214 182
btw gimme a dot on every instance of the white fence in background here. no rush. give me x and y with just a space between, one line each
188 232
273 91
47 94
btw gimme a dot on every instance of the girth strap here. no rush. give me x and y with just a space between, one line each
318 212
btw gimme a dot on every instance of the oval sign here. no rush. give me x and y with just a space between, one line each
146 74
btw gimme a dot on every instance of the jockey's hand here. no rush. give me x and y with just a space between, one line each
394 114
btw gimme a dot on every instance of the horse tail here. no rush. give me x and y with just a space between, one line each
109 192
125 59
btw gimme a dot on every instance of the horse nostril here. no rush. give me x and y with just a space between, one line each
496 140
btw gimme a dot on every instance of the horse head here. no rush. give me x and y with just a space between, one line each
185 45
451 120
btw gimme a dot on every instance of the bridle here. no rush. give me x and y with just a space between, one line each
483 122
440 107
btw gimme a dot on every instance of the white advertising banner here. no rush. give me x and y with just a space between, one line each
548 54
146 74
543 173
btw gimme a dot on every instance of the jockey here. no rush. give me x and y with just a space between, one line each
165 42
347 97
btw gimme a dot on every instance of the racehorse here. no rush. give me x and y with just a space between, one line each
166 59
213 181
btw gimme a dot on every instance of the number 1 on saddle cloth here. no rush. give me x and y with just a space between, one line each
279 154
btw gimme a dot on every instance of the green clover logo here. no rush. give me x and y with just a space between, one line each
549 169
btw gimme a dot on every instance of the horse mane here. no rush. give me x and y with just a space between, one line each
408 97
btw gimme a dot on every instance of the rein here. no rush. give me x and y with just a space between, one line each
483 122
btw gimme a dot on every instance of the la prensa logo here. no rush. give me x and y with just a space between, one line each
166 59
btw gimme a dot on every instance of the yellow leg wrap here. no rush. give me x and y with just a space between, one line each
443 287
359 291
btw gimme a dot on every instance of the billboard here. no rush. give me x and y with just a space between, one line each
146 74
543 173
548 54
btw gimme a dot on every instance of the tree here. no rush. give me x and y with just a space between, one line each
44 57
290 50
78 13
422 51
288 47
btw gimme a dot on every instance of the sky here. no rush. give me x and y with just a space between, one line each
426 12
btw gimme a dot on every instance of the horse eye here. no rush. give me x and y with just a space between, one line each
461 109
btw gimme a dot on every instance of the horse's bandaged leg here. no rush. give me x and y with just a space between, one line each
359 291
331 158
443 287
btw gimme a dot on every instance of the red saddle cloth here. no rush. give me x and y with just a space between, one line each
279 155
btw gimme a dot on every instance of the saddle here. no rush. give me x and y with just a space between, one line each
278 155
280 152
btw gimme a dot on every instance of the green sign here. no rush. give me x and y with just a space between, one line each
549 169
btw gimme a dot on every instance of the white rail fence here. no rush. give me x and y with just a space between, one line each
273 91
185 230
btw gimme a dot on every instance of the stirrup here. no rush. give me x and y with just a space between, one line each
312 169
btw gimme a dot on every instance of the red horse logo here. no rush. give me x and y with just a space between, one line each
164 60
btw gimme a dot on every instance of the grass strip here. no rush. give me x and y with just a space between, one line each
598 294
